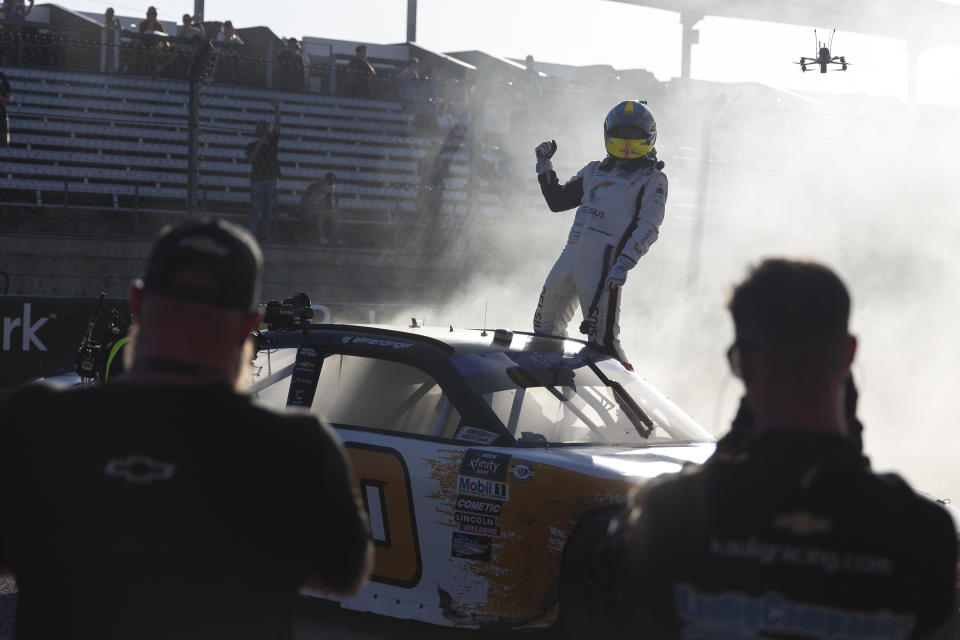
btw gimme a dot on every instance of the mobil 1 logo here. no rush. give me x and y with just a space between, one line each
483 488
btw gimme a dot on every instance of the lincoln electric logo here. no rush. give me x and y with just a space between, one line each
139 469
28 328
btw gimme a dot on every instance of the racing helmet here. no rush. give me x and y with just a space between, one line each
629 131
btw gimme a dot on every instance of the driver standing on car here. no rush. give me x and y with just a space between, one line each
620 206
790 535
191 513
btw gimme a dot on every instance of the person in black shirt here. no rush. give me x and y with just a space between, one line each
6 97
359 71
264 171
320 204
789 534
191 512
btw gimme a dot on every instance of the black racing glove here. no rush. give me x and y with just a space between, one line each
545 151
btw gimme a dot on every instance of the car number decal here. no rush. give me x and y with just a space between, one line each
385 488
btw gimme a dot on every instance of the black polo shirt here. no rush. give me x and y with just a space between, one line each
792 538
132 511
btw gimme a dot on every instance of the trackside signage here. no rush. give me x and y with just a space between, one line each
39 335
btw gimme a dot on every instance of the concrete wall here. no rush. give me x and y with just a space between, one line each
351 282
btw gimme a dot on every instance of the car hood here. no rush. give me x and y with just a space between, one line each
620 462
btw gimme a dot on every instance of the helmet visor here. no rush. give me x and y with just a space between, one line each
629 131
628 147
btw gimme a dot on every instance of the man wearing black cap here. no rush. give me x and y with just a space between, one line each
789 535
191 512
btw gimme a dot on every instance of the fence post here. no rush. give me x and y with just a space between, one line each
136 210
66 204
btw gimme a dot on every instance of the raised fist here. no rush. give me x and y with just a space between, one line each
545 151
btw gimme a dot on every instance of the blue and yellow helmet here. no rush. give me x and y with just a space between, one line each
629 130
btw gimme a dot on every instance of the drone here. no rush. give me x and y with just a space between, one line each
823 56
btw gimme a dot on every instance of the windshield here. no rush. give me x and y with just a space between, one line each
570 398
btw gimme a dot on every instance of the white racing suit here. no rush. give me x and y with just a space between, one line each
621 206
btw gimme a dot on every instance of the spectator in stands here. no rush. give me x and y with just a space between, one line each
110 21
192 512
229 43
190 30
444 119
321 205
150 24
6 97
359 71
190 27
16 10
229 34
791 535
407 81
290 61
532 87
264 171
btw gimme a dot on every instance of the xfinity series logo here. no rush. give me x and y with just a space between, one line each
377 342
28 330
483 464
483 488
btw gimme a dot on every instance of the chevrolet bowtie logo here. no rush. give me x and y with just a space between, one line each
802 523
139 469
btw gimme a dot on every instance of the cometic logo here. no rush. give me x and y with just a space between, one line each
483 488
28 330
491 507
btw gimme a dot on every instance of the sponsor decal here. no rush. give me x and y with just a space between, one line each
472 434
601 185
479 505
593 211
473 518
484 464
28 330
396 345
493 532
470 547
483 488
802 523
139 469
303 384
521 471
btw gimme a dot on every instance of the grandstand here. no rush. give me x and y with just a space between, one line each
100 151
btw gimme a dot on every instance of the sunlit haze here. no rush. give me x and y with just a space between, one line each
867 186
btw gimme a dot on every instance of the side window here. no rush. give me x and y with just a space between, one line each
382 394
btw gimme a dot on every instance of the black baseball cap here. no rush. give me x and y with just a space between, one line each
212 262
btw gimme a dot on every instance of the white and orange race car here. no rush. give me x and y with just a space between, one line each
477 453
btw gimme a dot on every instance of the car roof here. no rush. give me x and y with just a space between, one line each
454 340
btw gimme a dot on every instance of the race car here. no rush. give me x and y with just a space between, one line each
477 454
